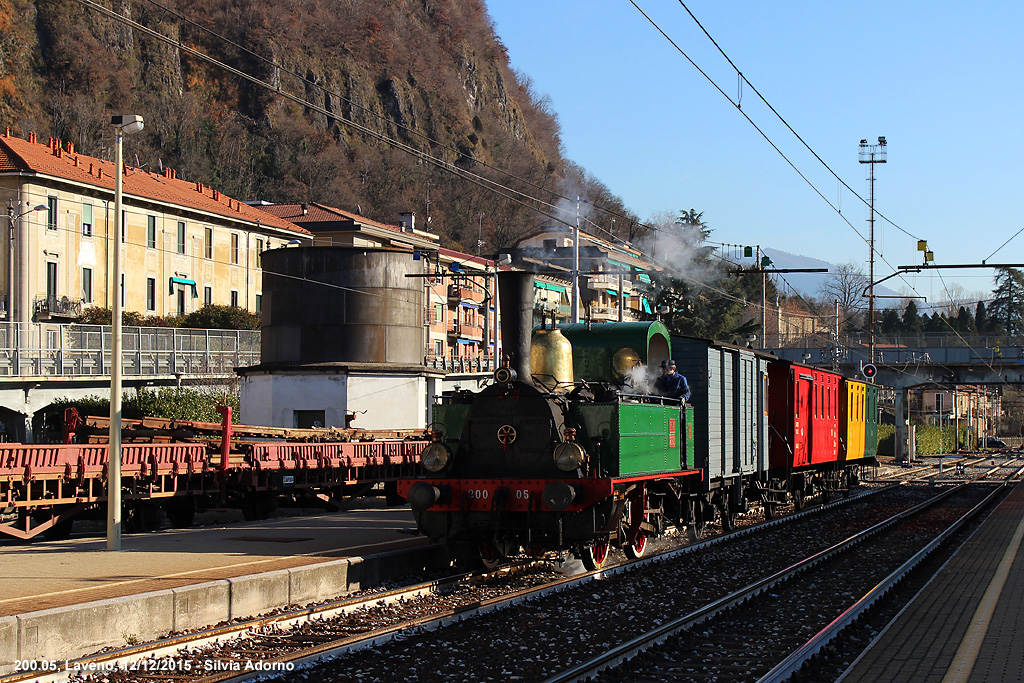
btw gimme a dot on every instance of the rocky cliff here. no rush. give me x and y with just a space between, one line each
430 74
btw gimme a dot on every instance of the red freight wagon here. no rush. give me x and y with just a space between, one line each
803 416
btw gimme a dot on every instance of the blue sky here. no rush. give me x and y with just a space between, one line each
942 81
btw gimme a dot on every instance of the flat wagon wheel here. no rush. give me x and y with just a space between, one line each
594 554
696 525
728 516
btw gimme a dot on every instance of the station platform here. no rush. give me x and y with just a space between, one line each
64 599
966 625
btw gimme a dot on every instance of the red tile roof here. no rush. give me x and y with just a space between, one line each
61 161
321 213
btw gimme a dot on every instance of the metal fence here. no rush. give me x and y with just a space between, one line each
44 349
459 364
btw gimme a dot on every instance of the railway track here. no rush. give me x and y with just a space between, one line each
953 468
284 641
797 613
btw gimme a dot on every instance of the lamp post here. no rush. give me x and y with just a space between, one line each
123 125
11 218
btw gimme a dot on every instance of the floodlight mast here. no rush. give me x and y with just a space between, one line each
871 155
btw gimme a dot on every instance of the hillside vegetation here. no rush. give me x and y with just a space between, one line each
428 73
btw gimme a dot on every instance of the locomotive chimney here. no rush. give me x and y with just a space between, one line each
515 296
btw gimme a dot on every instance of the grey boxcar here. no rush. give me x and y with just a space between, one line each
728 386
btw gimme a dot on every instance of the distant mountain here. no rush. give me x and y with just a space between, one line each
809 284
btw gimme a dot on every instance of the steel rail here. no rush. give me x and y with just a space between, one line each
170 647
123 657
328 650
791 664
631 648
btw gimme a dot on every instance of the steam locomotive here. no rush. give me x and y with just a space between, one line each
568 450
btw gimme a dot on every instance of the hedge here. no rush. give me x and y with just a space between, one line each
931 440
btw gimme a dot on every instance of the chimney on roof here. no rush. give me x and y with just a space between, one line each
407 221
32 137
71 148
199 186
7 132
216 196
305 208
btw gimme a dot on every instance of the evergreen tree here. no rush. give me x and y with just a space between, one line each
981 321
890 322
912 323
936 323
964 321
695 308
1008 304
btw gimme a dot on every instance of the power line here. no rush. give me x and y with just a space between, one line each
760 131
744 79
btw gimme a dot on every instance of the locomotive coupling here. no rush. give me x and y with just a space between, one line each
422 495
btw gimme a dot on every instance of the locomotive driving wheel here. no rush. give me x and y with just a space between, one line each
594 554
631 527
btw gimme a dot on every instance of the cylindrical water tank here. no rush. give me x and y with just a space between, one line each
341 304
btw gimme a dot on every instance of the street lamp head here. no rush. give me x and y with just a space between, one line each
127 123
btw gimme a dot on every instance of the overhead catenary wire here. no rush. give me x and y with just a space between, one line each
398 125
447 166
765 135
743 79
511 194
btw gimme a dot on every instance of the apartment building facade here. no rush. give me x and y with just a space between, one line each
184 244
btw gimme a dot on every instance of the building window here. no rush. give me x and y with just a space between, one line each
234 247
87 285
438 347
181 237
151 232
150 294
208 243
207 296
438 313
51 213
259 303
181 300
259 253
87 220
550 244
234 297
51 280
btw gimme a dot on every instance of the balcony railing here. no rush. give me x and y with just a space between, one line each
60 306
459 364
609 282
45 349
